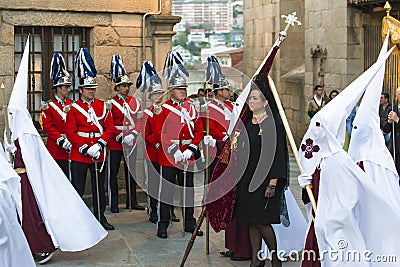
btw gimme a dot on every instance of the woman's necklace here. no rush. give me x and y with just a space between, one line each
260 116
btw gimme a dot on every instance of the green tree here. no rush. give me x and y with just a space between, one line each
180 39
193 49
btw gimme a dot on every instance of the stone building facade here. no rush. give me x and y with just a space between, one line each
110 27
138 30
336 42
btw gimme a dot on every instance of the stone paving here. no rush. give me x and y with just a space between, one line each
134 243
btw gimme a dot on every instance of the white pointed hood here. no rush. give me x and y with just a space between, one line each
18 114
367 142
326 133
49 184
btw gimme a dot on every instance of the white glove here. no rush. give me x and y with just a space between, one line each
128 140
94 151
178 156
10 148
209 140
304 180
67 144
186 155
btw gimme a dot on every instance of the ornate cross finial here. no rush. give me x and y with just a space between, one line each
291 19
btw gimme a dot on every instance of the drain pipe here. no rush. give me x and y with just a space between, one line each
144 98
144 28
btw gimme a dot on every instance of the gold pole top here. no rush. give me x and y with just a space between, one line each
387 8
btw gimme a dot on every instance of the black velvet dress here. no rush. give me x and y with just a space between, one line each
266 159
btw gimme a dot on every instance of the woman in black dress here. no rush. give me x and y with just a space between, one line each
265 164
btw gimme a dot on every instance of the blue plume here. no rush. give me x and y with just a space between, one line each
148 76
117 67
57 68
84 64
174 65
167 65
213 71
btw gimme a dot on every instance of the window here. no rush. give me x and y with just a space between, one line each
44 42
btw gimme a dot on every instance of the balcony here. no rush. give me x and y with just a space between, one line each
374 6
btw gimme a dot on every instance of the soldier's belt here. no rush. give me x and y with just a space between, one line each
182 142
89 135
20 170
123 128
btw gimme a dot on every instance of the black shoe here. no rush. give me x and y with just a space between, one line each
227 253
191 230
261 264
174 218
153 220
115 210
162 234
44 257
107 226
138 207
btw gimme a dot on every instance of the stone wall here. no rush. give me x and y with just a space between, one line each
94 6
333 46
262 24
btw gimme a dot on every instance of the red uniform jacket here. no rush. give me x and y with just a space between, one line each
53 119
124 123
79 124
149 132
219 122
172 126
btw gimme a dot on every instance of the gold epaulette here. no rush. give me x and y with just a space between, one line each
157 110
108 105
44 105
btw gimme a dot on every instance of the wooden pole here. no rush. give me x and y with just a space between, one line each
6 123
291 139
207 180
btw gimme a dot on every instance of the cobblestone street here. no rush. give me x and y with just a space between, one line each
134 242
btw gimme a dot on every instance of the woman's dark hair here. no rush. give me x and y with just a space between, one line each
261 83
333 91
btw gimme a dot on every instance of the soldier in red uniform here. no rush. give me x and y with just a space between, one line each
179 131
89 128
150 81
152 168
220 112
179 143
125 111
54 114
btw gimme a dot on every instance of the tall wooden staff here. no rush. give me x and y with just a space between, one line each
6 124
207 180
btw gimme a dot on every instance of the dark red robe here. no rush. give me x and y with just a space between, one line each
33 226
311 239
